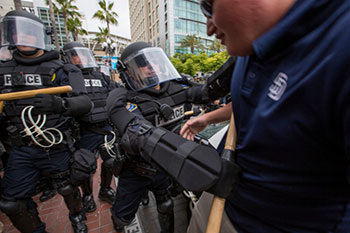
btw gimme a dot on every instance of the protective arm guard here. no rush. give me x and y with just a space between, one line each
77 106
218 85
195 167
76 79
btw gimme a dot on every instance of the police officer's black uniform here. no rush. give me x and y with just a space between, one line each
93 125
50 148
163 106
195 167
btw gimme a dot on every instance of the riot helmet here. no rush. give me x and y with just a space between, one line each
76 53
142 66
22 29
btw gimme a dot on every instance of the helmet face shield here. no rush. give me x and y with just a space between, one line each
105 69
21 31
81 57
149 67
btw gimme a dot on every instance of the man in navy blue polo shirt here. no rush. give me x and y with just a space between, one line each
291 100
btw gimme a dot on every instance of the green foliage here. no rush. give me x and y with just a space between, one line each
106 14
191 64
192 42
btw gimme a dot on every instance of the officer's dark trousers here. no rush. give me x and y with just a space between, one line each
93 141
130 189
23 171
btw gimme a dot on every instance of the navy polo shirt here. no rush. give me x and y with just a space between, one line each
291 101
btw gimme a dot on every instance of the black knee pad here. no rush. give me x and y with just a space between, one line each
108 163
66 190
10 206
165 207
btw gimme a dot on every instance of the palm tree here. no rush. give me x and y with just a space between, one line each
75 27
18 4
191 41
100 36
106 14
217 46
53 23
68 10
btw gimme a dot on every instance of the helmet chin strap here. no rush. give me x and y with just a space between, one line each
28 53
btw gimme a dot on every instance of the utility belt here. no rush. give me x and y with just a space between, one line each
140 168
18 138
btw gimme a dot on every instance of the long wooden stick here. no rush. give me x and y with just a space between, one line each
217 207
31 93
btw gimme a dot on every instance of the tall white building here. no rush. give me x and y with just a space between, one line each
164 23
6 6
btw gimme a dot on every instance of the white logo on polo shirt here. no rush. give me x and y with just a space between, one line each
278 86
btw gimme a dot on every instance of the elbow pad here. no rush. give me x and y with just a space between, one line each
77 106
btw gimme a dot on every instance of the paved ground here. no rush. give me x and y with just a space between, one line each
55 214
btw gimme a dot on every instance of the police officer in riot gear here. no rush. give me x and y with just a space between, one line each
155 94
95 132
145 116
49 147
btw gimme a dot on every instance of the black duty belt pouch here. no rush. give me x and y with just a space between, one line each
83 165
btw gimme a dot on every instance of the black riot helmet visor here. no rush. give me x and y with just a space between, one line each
149 67
22 31
81 57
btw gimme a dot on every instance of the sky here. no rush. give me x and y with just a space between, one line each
89 7
121 7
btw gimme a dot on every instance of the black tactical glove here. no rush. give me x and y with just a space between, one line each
45 103
134 138
228 179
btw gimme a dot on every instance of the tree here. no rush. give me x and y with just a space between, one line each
53 23
68 10
101 37
75 27
106 14
217 46
192 41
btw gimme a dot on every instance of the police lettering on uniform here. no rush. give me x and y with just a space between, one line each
49 147
95 132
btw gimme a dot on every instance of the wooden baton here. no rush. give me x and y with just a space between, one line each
217 207
31 93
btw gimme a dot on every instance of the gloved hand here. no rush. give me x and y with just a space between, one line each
45 103
134 138
228 180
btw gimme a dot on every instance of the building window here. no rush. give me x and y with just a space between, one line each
165 7
166 27
157 26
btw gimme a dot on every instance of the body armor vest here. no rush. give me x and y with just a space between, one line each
97 92
19 77
171 93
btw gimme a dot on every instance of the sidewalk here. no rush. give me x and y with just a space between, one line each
55 214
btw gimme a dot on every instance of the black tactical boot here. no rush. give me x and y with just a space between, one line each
78 223
107 195
106 192
47 194
89 203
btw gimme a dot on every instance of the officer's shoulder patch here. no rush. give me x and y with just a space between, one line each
131 107
184 86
